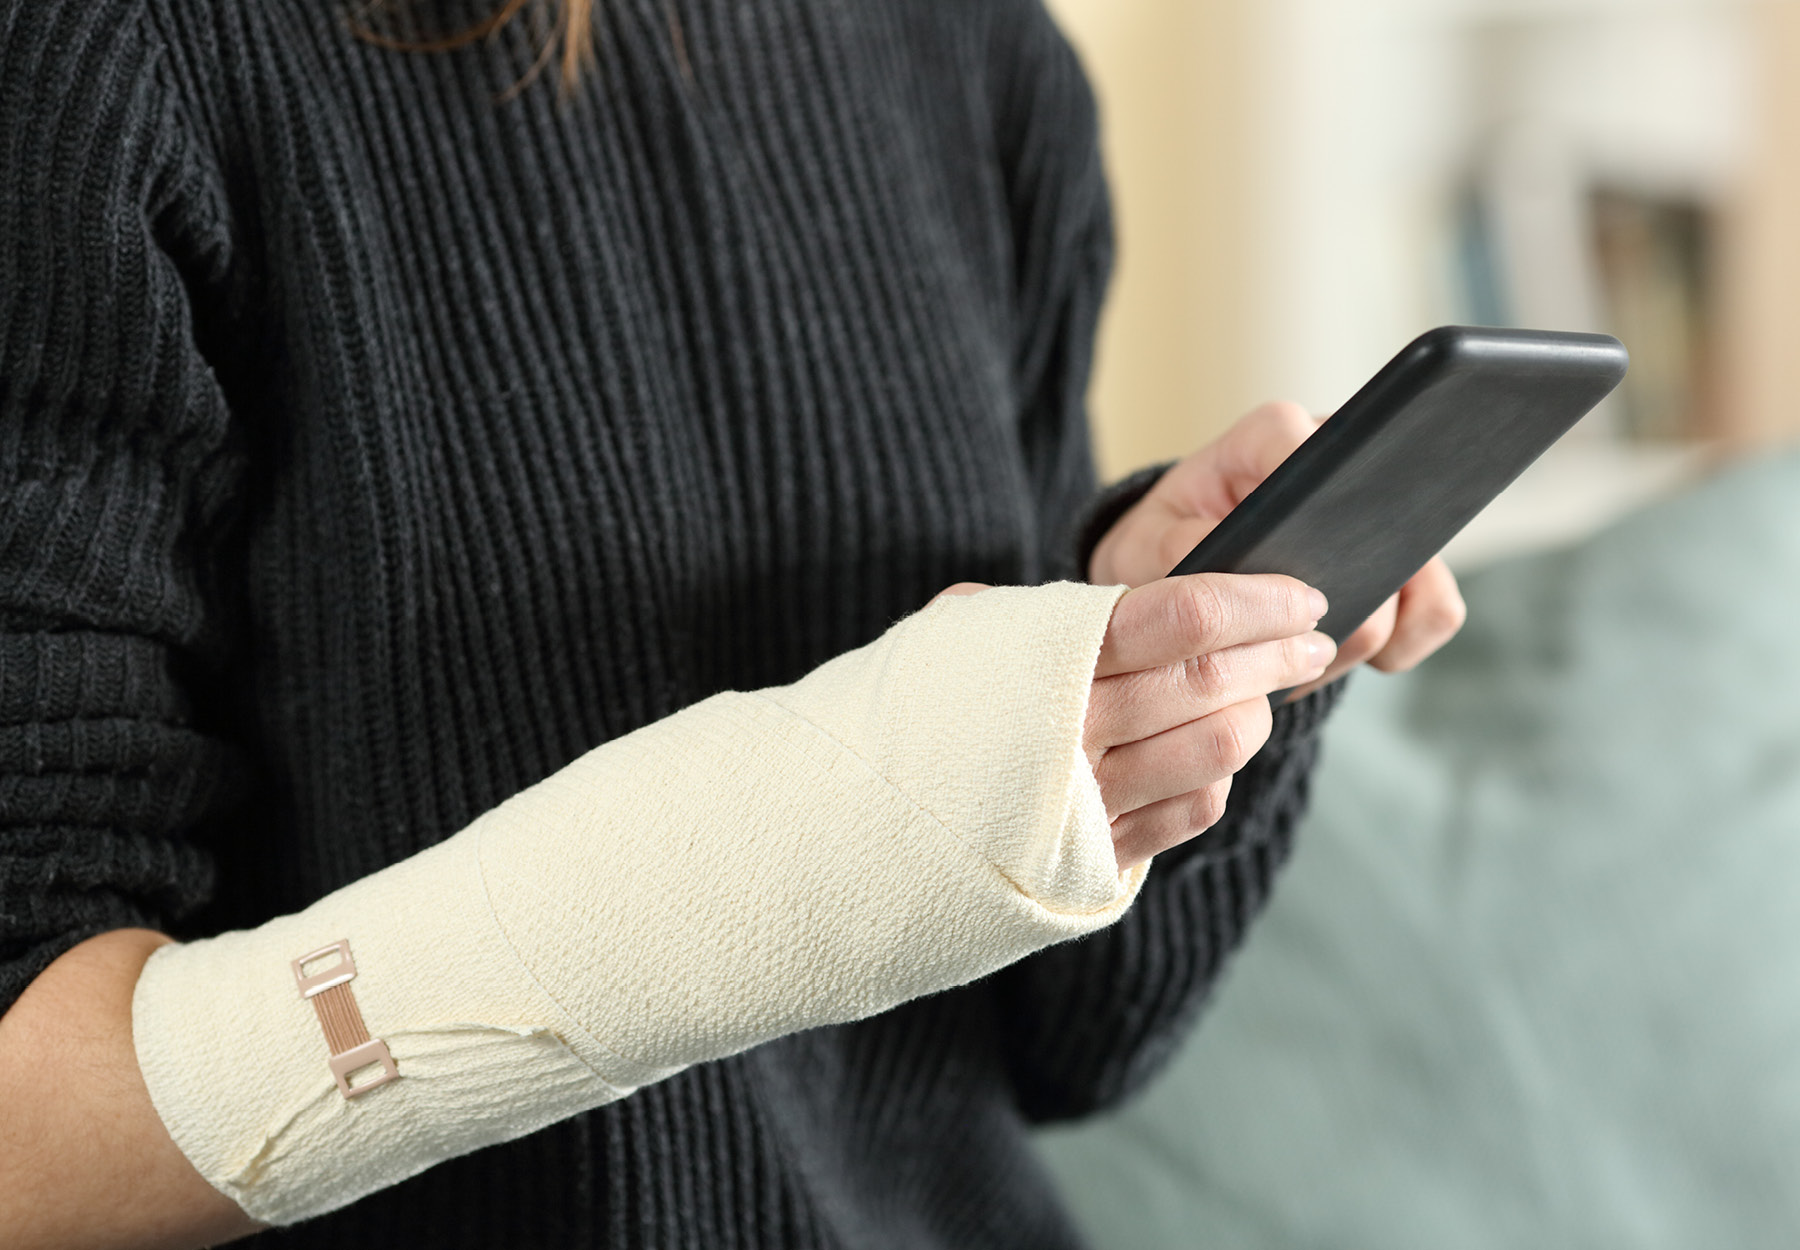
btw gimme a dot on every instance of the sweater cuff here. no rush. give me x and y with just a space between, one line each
1105 508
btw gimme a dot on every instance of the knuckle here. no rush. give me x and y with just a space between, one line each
1250 723
1227 740
1288 603
1207 807
1450 614
1205 677
1201 612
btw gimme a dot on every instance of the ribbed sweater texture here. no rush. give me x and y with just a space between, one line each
371 445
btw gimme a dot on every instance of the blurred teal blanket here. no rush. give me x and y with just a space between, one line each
1533 977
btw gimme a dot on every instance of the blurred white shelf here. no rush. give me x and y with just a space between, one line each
1543 10
1577 488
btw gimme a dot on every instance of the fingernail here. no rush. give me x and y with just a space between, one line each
1320 649
1320 605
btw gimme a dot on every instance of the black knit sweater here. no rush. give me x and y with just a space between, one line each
371 447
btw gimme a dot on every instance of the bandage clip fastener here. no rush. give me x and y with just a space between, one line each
352 1049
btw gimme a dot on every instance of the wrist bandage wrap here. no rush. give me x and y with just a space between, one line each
908 817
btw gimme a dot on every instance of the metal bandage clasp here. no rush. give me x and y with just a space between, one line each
352 1049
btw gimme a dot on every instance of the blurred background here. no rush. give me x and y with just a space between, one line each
1532 977
1304 185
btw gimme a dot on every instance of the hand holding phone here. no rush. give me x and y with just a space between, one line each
1364 503
1410 460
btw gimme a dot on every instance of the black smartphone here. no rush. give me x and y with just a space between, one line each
1394 474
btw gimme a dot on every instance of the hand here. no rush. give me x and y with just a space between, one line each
1180 696
1195 495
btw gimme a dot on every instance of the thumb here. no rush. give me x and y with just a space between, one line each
959 590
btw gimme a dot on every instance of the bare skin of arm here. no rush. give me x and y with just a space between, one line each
85 1164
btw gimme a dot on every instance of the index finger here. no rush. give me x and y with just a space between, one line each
1177 618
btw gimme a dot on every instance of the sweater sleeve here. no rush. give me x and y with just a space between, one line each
1061 225
115 471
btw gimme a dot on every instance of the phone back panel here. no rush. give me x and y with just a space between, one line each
1393 476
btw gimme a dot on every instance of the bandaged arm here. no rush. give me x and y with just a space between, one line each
909 817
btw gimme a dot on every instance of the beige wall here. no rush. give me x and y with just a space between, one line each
1174 345
1226 121
1760 287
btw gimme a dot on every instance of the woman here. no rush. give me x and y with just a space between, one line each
379 440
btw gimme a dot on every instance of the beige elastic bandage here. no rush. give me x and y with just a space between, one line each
909 817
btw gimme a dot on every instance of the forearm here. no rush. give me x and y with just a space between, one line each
85 1162
908 817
